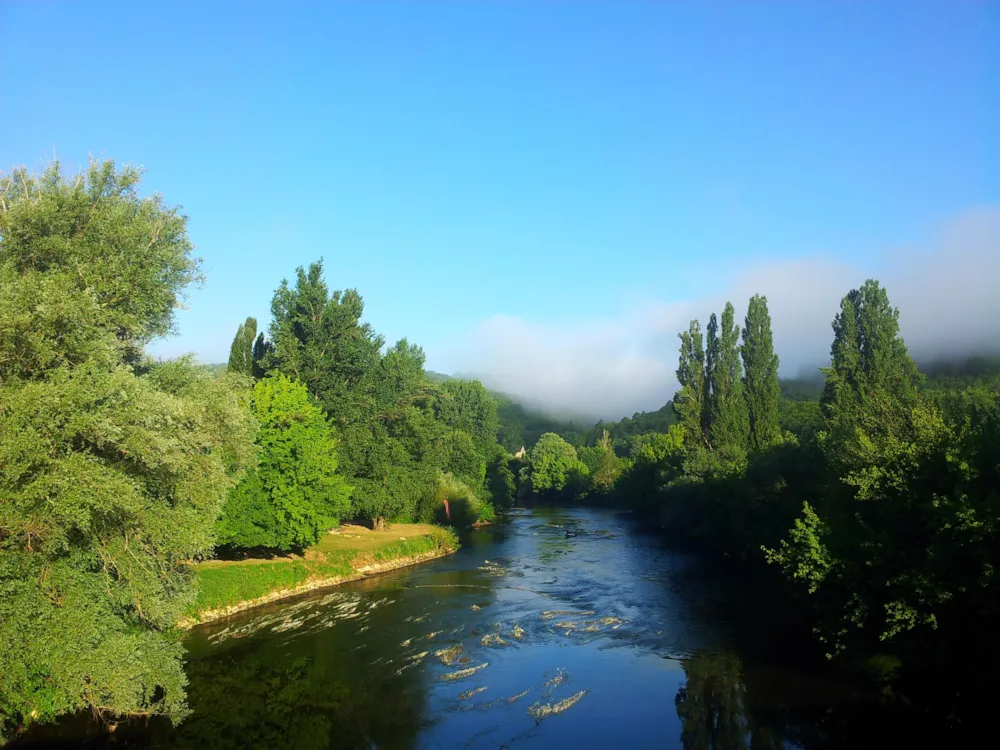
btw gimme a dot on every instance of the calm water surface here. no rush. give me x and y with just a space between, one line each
562 628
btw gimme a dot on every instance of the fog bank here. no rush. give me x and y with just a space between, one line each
610 367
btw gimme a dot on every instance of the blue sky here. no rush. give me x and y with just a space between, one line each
545 168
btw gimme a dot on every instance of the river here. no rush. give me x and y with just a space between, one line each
560 628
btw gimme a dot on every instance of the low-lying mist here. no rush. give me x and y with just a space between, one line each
947 294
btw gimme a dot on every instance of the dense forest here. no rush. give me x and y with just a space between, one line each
116 470
873 490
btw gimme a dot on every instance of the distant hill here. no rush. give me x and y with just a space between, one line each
637 424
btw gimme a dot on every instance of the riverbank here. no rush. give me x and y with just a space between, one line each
347 554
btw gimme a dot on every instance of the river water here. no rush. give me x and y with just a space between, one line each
560 628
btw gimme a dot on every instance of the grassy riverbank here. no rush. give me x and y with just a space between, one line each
352 552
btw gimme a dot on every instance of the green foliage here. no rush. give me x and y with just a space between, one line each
501 483
295 494
870 365
727 421
801 418
261 353
896 548
241 353
606 467
83 259
114 469
904 529
656 460
760 376
466 405
553 468
464 507
380 403
458 455
690 399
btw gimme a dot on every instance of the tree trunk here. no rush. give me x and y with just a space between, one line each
378 524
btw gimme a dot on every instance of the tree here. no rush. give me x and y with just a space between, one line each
458 455
466 405
870 369
241 359
689 400
865 543
553 466
380 404
760 376
295 494
320 341
500 481
114 469
727 423
711 363
262 349
605 472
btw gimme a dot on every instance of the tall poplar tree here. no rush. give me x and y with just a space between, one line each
760 376
711 362
241 351
689 400
870 370
727 422
872 542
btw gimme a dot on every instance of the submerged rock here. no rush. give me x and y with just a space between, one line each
539 711
464 672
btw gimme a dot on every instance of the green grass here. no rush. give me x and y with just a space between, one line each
225 584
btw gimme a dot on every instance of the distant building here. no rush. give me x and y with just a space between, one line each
520 453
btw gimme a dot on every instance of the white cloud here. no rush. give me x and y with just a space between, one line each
947 294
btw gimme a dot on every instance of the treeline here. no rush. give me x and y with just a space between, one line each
117 471
878 501
351 429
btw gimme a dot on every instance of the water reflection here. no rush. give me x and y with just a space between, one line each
300 701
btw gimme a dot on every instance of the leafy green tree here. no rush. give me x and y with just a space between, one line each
320 341
607 466
655 461
50 225
553 466
863 545
500 481
711 362
870 367
760 376
241 357
458 455
727 422
689 400
380 404
114 469
466 405
262 349
295 494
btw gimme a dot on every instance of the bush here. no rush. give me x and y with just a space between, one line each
464 507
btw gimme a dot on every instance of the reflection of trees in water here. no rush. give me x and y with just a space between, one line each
729 704
715 710
259 700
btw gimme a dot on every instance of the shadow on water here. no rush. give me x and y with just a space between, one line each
560 628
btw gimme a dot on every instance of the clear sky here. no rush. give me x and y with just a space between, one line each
492 172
